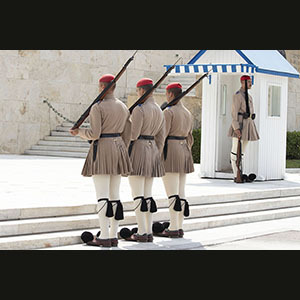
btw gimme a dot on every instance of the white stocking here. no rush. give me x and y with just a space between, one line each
148 193
114 194
171 183
101 183
137 184
182 181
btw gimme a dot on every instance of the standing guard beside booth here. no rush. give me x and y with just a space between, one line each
242 129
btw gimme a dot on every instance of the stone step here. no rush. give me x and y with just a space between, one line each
13 214
60 133
70 125
62 223
63 138
82 144
72 237
60 148
63 128
288 195
240 218
55 153
61 143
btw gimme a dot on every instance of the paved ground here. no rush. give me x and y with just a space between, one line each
35 181
32 181
283 234
287 240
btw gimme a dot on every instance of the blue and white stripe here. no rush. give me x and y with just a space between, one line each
216 68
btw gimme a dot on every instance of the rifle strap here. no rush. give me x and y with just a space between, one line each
235 153
247 98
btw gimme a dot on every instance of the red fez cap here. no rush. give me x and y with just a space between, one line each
174 85
107 78
144 81
245 77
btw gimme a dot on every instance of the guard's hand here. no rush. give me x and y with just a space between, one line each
74 131
238 133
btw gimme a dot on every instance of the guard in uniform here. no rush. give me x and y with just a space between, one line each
242 125
107 159
178 160
147 141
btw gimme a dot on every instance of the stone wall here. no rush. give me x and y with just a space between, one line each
193 104
293 120
69 80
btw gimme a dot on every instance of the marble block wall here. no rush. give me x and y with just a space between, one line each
69 80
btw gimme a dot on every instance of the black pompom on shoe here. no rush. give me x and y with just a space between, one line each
134 230
125 233
157 227
87 236
166 224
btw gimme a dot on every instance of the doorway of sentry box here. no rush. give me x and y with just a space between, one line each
228 85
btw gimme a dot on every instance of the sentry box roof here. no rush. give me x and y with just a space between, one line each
238 61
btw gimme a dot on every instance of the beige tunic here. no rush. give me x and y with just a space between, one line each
147 119
179 122
249 131
108 116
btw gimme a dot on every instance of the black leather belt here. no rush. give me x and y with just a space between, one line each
171 137
103 135
146 137
246 115
109 135
141 137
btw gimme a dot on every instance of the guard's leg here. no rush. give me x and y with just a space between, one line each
244 147
101 183
233 156
171 183
137 184
114 195
148 195
182 182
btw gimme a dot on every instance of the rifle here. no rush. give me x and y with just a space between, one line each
239 175
183 94
103 93
155 86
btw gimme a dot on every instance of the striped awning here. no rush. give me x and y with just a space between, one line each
216 68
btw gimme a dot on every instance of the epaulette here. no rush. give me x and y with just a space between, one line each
237 92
